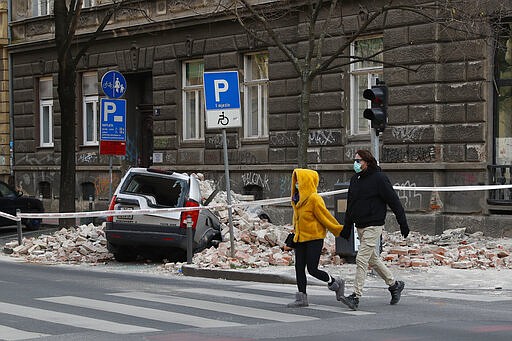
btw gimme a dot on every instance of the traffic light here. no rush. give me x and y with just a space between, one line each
378 113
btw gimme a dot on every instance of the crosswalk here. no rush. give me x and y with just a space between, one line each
137 311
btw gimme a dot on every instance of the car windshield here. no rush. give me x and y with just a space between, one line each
166 191
6 192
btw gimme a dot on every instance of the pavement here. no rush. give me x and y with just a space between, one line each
440 278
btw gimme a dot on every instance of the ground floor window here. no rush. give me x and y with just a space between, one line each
503 97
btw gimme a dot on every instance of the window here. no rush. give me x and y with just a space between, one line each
43 7
45 190
193 108
88 3
365 69
503 97
256 95
90 108
46 112
88 191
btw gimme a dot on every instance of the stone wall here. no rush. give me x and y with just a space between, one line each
439 114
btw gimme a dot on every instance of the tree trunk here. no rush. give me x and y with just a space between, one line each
67 98
305 96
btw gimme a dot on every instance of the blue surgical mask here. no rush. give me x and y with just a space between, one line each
357 167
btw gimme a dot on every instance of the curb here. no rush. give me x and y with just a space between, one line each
237 275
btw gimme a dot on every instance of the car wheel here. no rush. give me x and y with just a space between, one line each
32 224
122 254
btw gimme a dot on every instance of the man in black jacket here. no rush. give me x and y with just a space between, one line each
369 194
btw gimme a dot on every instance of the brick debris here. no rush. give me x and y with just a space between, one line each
259 243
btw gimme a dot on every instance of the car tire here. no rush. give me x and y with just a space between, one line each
122 254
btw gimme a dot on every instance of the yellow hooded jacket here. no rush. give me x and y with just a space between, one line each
311 219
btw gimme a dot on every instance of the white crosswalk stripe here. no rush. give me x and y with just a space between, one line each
141 312
11 334
216 306
276 300
71 319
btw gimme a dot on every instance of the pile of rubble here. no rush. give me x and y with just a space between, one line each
259 243
81 244
455 248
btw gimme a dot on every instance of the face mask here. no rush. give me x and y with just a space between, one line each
357 167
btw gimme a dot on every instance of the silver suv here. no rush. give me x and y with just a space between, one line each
159 235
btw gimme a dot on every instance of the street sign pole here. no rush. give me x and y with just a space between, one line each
228 193
222 102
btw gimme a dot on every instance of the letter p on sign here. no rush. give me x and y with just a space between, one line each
220 85
108 108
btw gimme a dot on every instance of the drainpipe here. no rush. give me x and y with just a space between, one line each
11 95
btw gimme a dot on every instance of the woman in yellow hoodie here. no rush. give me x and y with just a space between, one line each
311 220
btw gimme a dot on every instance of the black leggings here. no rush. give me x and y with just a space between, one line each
307 254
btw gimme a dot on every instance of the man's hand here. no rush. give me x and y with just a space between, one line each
404 230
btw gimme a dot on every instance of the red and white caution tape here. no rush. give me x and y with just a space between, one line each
263 202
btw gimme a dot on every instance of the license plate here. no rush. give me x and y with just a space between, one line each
125 217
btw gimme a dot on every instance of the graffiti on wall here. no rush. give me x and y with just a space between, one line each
406 133
410 198
323 137
35 159
88 157
252 178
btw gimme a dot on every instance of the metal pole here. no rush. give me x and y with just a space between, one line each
189 239
20 233
375 144
110 173
228 193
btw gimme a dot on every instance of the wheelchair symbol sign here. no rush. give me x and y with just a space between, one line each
222 99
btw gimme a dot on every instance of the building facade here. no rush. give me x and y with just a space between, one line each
449 106
5 127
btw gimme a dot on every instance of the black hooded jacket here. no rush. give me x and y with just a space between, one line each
369 193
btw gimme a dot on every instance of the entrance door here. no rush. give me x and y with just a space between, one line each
139 119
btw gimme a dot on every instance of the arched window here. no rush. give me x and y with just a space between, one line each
45 190
88 190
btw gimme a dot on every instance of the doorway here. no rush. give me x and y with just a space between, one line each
139 119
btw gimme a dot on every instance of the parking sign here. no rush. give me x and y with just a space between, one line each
222 99
113 119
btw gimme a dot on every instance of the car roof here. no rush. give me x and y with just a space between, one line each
158 171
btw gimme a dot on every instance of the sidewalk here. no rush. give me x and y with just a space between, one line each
431 278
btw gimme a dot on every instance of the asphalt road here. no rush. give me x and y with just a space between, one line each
100 303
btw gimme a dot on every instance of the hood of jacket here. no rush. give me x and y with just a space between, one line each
308 180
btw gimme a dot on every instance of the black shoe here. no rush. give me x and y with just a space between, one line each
396 291
351 301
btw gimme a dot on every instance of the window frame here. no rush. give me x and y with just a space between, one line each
199 110
91 4
373 73
261 86
45 102
40 7
88 98
95 134
42 128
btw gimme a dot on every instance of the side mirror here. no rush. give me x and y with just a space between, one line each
19 193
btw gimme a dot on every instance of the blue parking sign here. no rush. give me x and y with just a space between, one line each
222 99
113 119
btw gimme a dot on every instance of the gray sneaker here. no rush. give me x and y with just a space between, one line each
351 301
339 287
396 292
